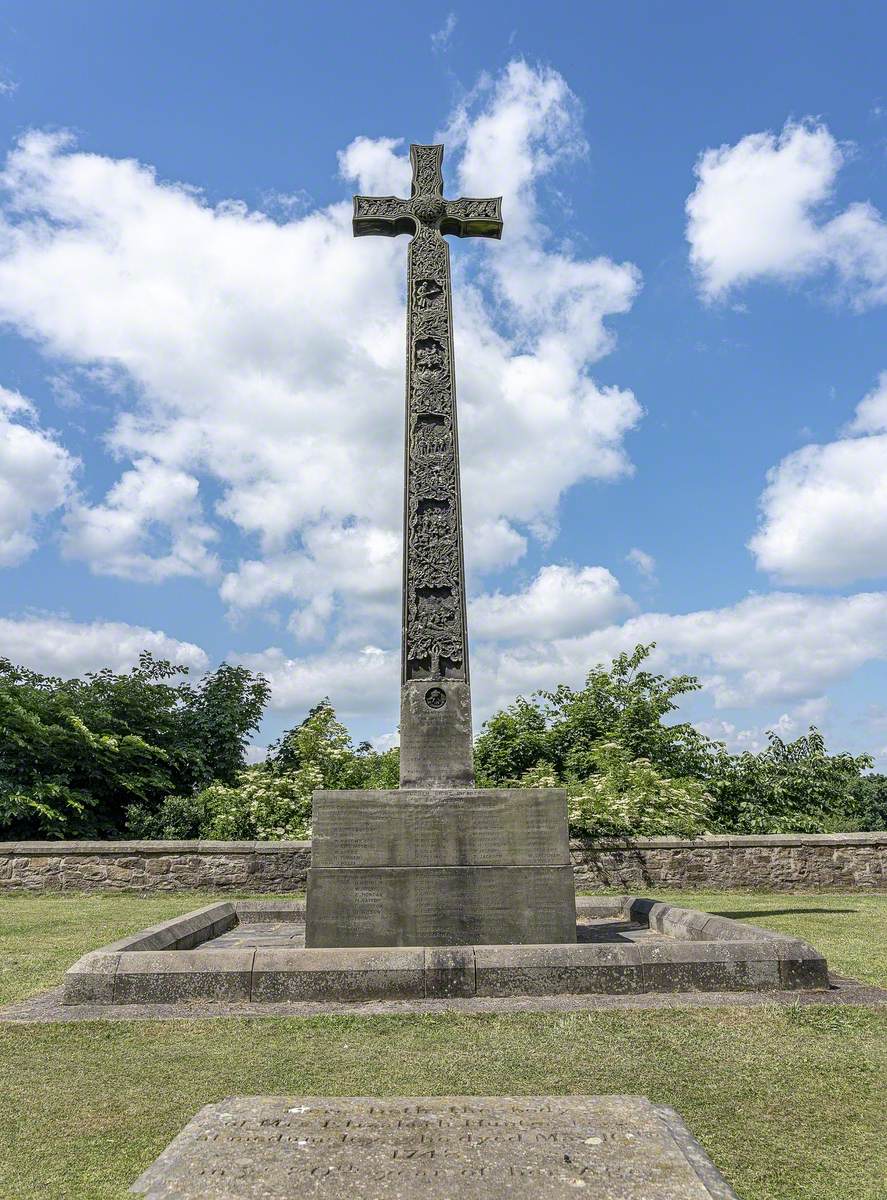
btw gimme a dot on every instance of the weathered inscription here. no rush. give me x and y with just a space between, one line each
606 1148
439 906
495 827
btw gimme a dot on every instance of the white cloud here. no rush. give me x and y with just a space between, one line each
36 476
871 412
440 39
781 649
824 509
772 648
152 496
756 213
559 602
55 645
359 683
644 562
263 362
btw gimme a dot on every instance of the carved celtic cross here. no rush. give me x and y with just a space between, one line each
435 727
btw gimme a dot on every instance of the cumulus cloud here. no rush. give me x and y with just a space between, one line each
36 476
360 683
55 645
259 365
757 212
113 536
559 602
823 513
778 647
782 649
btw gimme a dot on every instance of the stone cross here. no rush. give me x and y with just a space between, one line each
435 711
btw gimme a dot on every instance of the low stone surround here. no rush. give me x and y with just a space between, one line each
250 951
778 863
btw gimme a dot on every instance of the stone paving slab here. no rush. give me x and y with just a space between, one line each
473 1147
290 934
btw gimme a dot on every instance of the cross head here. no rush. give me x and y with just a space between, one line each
427 208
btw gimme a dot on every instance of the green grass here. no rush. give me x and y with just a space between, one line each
788 1101
41 935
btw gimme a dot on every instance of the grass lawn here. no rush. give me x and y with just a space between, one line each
789 1102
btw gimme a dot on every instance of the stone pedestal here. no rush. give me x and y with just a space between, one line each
435 735
440 867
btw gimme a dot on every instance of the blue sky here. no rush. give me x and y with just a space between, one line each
672 402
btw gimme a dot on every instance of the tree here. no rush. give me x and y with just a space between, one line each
322 741
561 729
273 799
76 754
790 787
220 714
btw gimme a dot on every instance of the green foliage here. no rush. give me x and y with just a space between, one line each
220 714
273 800
76 754
323 742
263 806
629 771
869 802
561 729
147 754
791 787
630 797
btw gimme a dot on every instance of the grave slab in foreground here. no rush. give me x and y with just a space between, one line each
597 1147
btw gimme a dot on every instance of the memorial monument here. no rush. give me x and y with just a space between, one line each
438 862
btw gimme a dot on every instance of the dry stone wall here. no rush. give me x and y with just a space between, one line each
790 863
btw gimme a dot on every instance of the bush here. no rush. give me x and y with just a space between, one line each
261 806
869 802
76 755
791 787
178 817
264 806
630 797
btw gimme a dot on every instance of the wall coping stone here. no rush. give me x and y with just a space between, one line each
732 841
709 842
10 849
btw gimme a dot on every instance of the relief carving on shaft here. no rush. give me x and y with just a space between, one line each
434 634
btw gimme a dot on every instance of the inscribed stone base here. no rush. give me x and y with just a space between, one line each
440 867
427 827
526 1148
439 906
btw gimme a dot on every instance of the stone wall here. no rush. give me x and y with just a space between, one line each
773 863
789 863
155 866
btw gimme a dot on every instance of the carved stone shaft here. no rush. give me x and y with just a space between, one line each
435 729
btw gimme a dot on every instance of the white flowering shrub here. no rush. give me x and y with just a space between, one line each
264 806
629 797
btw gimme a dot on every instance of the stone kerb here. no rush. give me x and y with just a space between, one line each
780 863
172 963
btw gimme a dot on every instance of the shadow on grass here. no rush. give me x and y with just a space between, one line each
777 912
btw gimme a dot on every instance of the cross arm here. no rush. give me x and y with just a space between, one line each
470 217
386 215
